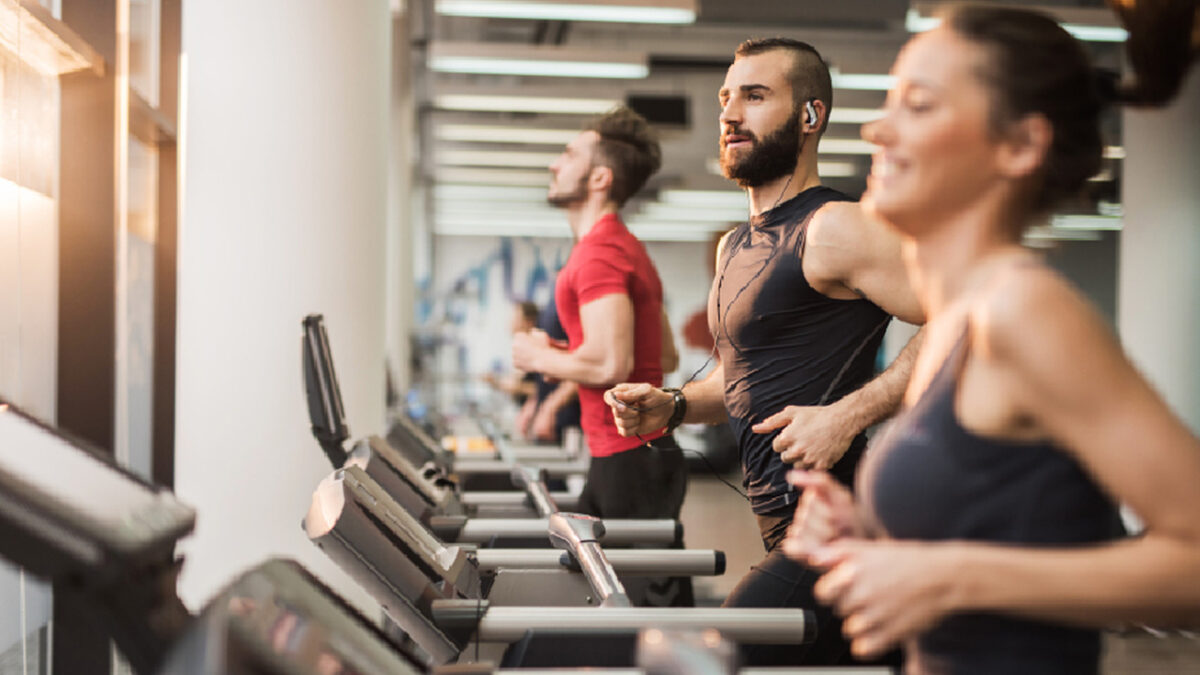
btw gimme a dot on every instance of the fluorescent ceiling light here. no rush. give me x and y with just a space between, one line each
837 169
1114 152
854 115
621 11
496 158
457 174
732 199
466 192
487 209
827 169
648 230
1044 233
44 43
691 214
845 146
537 67
536 61
498 226
1096 33
492 227
485 133
533 104
861 81
918 21
1090 223
547 216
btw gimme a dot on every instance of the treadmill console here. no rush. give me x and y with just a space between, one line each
67 509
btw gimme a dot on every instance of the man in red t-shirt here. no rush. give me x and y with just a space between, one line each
609 300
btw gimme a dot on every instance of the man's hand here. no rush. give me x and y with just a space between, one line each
639 408
526 347
813 437
825 514
525 417
542 428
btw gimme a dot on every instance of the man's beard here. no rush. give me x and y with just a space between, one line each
564 199
773 157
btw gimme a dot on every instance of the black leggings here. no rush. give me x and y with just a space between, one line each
779 581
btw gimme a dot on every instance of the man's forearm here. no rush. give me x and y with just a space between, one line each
706 399
562 394
881 397
583 368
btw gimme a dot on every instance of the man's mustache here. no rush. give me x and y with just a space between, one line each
744 133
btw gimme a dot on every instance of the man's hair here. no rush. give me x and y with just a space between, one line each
629 148
809 74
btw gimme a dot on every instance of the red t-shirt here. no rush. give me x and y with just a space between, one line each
609 259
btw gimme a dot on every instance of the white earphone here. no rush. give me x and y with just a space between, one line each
811 111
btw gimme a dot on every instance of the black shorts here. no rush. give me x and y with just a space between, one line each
648 481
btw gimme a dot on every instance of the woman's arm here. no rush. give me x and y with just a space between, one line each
1071 378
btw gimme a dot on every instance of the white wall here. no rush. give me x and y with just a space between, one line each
401 158
1158 301
285 166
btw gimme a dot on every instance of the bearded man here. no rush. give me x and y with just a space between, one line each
802 296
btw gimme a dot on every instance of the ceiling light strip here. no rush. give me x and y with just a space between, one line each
482 133
478 65
533 104
854 115
862 81
496 158
469 175
497 193
537 61
616 12
917 22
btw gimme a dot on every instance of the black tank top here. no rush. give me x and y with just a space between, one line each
783 343
928 478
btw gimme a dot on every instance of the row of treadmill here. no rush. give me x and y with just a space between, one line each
477 566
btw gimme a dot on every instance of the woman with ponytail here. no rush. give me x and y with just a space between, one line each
987 538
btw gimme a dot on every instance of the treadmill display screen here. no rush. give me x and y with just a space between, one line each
75 484
287 611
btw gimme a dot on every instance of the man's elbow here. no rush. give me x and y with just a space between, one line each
617 370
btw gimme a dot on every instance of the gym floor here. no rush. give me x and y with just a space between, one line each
715 517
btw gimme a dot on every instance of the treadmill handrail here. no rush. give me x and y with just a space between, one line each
743 625
632 562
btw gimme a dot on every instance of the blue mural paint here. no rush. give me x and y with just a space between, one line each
505 256
538 275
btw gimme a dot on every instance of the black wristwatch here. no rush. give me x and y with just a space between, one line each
680 409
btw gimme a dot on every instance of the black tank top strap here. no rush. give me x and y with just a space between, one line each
802 236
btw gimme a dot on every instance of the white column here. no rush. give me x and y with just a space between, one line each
284 207
401 288
1158 304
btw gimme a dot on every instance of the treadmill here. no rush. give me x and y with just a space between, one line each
543 615
105 536
427 493
328 416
